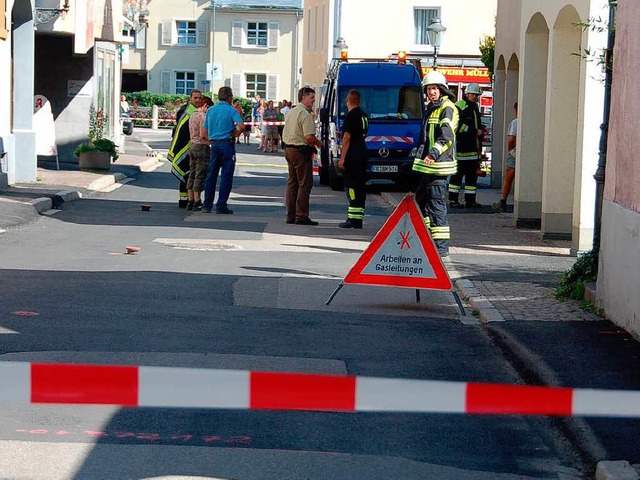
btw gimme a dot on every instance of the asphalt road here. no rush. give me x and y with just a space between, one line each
244 291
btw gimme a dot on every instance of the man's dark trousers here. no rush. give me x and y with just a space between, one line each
431 197
355 187
223 161
299 183
469 170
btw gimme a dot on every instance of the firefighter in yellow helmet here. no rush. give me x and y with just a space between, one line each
435 159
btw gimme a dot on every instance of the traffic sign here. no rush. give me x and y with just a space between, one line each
401 254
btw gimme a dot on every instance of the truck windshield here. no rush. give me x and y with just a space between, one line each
387 103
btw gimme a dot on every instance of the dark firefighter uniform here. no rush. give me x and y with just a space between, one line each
468 154
438 140
356 123
179 153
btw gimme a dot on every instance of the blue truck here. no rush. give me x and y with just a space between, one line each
391 93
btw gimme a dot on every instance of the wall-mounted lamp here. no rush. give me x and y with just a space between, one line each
48 14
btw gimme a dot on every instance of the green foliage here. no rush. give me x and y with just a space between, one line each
246 105
97 123
487 49
601 56
572 281
149 99
97 142
100 145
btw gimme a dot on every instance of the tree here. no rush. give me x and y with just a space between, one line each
487 48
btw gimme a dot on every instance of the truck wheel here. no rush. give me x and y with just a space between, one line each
335 181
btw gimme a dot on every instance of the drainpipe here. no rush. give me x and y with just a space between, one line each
295 72
337 27
604 128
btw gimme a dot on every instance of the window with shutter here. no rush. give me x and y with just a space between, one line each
274 34
256 83
257 34
186 33
185 82
165 82
167 32
237 32
422 17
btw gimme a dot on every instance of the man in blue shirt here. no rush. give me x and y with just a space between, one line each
222 125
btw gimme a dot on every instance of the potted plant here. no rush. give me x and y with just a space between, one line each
96 154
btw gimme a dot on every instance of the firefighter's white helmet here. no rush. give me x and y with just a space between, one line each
434 77
473 88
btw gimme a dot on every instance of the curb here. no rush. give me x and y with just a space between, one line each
43 204
106 181
615 470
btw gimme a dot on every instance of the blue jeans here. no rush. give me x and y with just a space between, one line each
223 161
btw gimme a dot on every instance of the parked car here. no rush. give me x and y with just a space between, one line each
127 123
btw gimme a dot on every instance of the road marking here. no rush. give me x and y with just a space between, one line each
276 165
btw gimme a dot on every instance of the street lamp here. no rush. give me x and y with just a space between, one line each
339 47
434 37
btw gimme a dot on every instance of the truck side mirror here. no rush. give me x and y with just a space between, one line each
324 115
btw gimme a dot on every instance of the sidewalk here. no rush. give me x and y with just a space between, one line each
23 202
505 273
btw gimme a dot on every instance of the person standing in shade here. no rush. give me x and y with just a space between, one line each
353 160
199 154
468 149
222 125
300 140
435 159
238 107
510 167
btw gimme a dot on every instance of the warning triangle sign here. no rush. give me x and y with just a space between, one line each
401 254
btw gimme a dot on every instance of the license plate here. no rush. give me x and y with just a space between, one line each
384 168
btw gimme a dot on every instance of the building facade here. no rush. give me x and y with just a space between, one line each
560 97
619 263
248 45
54 75
331 25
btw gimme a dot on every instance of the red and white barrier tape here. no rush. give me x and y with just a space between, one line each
42 383
269 124
148 119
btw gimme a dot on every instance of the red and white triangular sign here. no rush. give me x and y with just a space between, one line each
401 254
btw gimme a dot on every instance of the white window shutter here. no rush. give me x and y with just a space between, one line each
272 87
165 81
202 33
236 85
200 78
237 32
140 39
274 34
167 32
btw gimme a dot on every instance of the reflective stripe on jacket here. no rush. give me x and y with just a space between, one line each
467 141
178 153
439 139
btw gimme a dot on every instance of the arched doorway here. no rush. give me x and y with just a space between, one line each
561 136
497 127
22 167
531 124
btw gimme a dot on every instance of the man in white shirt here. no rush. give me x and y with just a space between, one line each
510 168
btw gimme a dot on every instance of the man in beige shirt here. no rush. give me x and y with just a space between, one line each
299 136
